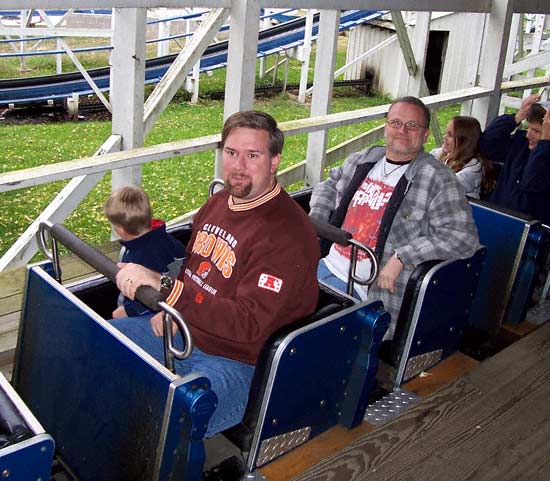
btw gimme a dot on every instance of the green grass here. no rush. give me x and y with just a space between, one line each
176 185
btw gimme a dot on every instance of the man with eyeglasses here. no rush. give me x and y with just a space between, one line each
398 200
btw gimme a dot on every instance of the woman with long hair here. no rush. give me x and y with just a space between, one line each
460 153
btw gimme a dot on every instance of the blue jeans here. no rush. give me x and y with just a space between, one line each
230 379
325 275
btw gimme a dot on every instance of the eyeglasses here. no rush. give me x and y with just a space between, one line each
410 126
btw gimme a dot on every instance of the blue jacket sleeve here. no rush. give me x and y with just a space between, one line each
495 141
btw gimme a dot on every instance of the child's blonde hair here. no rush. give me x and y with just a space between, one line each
129 208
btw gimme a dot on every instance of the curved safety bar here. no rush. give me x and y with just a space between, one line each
331 233
145 294
345 239
100 262
53 255
170 351
215 186
357 246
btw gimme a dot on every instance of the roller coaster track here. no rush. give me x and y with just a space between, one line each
57 87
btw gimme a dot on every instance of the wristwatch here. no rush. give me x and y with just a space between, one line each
396 255
166 283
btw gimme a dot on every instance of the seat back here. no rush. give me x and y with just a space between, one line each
311 375
514 245
26 451
114 411
433 314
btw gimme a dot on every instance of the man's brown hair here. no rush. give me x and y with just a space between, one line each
252 119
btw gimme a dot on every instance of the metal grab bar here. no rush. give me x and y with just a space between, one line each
357 246
53 255
153 299
215 186
170 351
344 238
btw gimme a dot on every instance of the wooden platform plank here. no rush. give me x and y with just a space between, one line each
454 367
336 438
326 444
491 425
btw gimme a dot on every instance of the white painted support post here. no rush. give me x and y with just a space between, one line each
510 53
276 68
266 23
419 49
58 58
25 16
196 81
241 61
77 63
475 25
127 86
325 61
176 74
493 59
535 46
163 47
415 68
304 72
285 73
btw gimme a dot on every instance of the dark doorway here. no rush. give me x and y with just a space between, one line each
435 56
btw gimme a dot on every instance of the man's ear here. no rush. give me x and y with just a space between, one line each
426 135
275 163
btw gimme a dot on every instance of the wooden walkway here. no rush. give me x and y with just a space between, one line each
492 424
477 422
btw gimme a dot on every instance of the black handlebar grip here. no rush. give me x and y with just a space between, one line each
101 263
329 232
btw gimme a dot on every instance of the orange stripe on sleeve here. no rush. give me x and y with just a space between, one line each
175 293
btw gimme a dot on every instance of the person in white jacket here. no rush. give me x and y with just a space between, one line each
460 153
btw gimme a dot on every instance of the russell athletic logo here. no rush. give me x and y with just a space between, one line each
269 282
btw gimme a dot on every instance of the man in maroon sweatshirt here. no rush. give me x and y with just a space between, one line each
250 269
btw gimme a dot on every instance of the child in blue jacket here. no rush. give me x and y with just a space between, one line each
144 241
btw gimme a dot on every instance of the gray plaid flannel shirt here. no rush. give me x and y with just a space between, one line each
434 221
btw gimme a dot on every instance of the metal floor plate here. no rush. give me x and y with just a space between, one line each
390 406
539 314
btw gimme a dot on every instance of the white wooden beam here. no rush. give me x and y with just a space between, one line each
128 85
57 31
478 6
325 61
475 24
306 52
240 77
241 57
23 250
175 76
366 55
45 174
493 60
420 5
20 179
78 65
404 42
419 49
541 60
